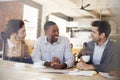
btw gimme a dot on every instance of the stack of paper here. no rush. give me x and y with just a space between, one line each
83 73
53 71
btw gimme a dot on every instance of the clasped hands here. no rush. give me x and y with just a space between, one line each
56 64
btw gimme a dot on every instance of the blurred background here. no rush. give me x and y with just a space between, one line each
73 18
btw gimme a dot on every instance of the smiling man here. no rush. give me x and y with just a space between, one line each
53 50
105 54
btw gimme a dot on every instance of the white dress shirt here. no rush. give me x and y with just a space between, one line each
45 51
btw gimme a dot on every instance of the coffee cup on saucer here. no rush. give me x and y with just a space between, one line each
86 58
38 65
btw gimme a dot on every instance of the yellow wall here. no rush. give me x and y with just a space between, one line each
30 44
75 50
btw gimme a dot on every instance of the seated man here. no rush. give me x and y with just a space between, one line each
53 50
104 53
15 48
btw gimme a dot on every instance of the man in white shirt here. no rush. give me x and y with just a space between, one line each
53 50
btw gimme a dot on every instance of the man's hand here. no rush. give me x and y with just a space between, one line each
59 66
114 73
48 64
55 61
56 64
83 66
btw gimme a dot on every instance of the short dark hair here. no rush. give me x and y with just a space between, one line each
85 44
13 26
48 24
103 27
2 34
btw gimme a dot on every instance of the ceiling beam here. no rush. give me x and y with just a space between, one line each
62 16
93 14
90 13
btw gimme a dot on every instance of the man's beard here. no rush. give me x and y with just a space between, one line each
94 39
97 40
54 39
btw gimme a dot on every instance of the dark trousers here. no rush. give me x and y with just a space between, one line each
16 59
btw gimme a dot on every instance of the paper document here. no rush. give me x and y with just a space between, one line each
43 77
53 70
84 73
39 78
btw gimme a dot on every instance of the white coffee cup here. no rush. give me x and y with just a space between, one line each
38 65
86 58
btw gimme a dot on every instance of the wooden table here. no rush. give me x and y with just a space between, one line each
9 72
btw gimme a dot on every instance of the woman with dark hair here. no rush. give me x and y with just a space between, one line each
15 48
1 40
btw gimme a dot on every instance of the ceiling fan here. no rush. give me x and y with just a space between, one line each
84 7
91 12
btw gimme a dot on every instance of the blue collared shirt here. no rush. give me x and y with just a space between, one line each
45 51
98 52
